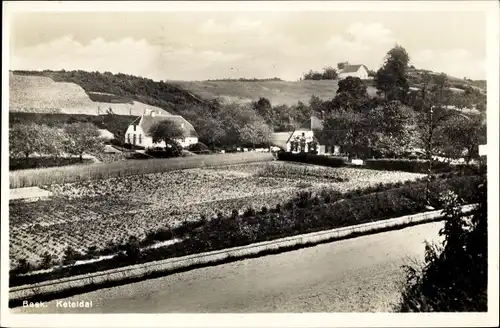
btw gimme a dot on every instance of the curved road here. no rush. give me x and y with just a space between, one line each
354 275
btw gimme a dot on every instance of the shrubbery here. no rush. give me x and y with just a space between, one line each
199 148
313 159
454 277
40 162
420 166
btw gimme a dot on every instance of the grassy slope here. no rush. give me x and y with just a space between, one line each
278 92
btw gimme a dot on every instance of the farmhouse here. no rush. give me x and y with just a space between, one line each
303 134
138 131
360 71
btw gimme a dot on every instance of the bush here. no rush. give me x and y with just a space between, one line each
199 148
312 159
454 276
419 166
41 162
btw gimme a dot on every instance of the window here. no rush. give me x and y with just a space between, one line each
140 139
128 137
134 138
134 127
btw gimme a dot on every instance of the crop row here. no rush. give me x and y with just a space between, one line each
307 212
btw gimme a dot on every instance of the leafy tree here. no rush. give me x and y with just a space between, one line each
454 276
166 131
262 107
329 73
351 94
460 133
349 129
82 138
210 130
391 78
27 139
342 65
255 132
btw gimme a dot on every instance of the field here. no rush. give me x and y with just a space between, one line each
278 92
93 213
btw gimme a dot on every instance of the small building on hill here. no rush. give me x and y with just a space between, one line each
138 131
106 134
360 71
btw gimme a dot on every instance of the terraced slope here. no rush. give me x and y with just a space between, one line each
43 95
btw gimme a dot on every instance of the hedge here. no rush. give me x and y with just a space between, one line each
306 213
419 166
313 159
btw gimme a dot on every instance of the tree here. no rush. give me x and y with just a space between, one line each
82 138
459 133
391 79
27 139
329 73
351 94
342 65
166 131
454 276
349 129
209 129
255 132
263 107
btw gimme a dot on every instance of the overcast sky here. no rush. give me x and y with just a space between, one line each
210 45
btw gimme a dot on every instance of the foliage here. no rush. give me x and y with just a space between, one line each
391 79
41 162
417 166
165 131
255 132
173 149
30 138
454 276
351 94
161 94
312 159
329 73
82 137
349 129
396 129
459 133
199 148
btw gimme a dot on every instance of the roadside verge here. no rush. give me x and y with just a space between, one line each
85 283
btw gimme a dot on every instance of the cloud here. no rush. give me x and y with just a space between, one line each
240 25
370 33
137 57
455 62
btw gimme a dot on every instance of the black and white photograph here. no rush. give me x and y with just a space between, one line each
250 159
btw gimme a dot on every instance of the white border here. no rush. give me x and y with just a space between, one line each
270 320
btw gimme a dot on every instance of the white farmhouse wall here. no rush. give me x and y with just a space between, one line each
362 73
147 142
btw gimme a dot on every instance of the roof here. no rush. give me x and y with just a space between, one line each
352 68
146 122
313 123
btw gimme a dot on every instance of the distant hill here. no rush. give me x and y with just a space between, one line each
278 92
80 92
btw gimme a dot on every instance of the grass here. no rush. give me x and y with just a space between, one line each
68 174
299 171
278 92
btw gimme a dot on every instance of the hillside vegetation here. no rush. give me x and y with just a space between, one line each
278 92
41 94
118 91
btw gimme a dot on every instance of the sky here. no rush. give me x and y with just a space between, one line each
265 44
